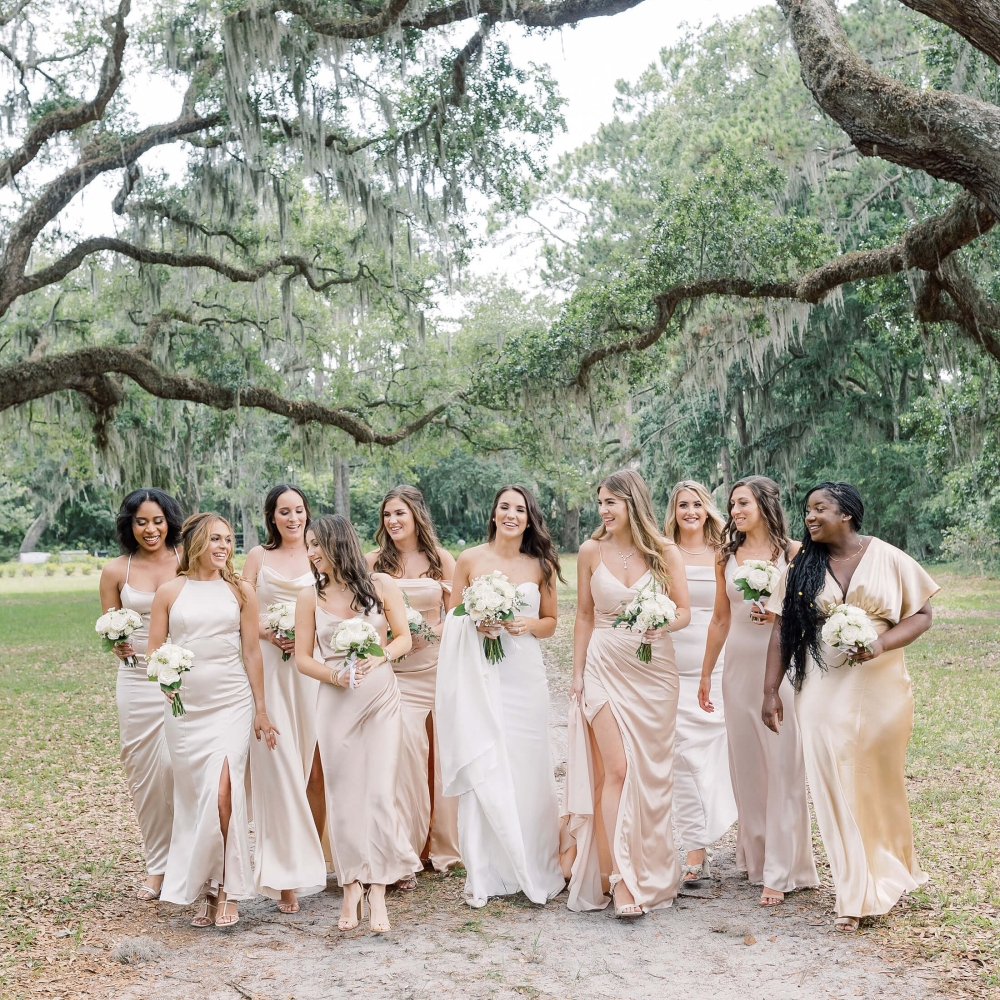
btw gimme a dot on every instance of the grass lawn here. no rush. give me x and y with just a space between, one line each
69 846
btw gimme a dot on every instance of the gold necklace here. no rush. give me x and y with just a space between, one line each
861 546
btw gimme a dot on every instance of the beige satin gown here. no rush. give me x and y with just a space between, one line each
217 727
416 675
360 731
856 722
643 700
144 754
287 849
774 834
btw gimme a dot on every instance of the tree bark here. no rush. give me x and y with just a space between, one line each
570 529
342 486
35 531
250 538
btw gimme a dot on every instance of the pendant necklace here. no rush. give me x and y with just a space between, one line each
624 559
861 546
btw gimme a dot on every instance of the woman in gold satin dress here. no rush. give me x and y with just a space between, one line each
856 716
409 552
630 706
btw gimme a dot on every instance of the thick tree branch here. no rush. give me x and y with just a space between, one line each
333 27
531 14
978 23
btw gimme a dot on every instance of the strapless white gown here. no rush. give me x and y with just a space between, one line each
493 735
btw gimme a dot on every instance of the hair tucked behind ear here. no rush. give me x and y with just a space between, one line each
800 617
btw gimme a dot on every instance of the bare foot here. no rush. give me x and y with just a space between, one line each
771 897
350 909
288 903
378 918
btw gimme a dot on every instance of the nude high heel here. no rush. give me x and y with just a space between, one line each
378 928
629 909
349 923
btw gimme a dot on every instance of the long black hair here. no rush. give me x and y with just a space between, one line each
342 547
271 505
800 617
126 515
536 540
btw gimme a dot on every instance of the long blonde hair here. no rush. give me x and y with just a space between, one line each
195 535
715 523
630 487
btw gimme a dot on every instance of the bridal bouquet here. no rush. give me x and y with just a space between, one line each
417 625
489 600
280 619
757 578
166 666
115 626
849 630
648 609
354 638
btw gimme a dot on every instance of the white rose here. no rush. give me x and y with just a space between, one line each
168 675
758 579
413 616
850 635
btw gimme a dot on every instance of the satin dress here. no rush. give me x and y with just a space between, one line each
856 722
217 727
493 735
643 700
360 732
704 805
416 675
288 853
144 753
774 835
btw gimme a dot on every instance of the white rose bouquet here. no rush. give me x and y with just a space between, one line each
417 625
354 638
166 666
648 609
757 578
115 626
280 619
849 630
489 600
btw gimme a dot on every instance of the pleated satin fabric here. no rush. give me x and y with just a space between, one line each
416 675
495 754
856 723
287 849
144 754
774 832
360 734
643 700
704 804
205 618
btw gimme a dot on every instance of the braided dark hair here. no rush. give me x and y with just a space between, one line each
800 618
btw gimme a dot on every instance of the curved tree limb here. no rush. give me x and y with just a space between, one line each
978 23
532 14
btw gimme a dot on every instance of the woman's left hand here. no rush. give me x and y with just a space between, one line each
262 727
864 655
652 634
760 616
520 626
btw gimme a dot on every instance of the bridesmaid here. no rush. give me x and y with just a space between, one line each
704 807
856 718
360 728
287 783
493 718
408 551
631 706
149 531
211 612
773 837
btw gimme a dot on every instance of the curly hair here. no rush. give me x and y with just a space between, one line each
131 504
196 536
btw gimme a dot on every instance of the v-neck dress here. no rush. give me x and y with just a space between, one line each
856 722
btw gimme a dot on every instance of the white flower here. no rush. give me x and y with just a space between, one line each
413 617
168 663
354 635
280 617
118 623
759 577
490 598
848 628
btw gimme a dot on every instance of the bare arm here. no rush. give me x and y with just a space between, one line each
447 564
583 626
112 578
900 635
305 639
253 663
718 630
460 579
548 616
394 609
772 711
678 589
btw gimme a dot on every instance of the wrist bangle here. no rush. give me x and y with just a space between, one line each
333 677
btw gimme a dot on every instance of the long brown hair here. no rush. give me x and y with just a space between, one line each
768 496
630 487
536 540
271 505
389 559
715 523
341 546
196 533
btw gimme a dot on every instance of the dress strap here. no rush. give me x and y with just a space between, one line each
128 566
176 556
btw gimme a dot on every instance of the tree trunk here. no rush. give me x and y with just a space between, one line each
249 529
725 466
342 486
34 533
571 529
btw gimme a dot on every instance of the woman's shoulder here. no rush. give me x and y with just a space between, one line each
589 550
114 569
171 588
371 557
469 557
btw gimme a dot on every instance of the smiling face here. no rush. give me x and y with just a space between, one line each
613 511
220 547
149 525
744 510
398 521
511 515
290 516
690 512
825 521
317 557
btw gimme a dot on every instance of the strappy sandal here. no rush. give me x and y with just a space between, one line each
225 918
407 884
349 923
847 925
202 919
629 909
700 872
284 907
771 897
373 927
147 894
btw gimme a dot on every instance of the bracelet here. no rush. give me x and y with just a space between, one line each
333 677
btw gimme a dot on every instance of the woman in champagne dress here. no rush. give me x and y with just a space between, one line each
774 833
630 707
704 806
358 717
286 783
149 531
493 718
856 715
408 551
211 612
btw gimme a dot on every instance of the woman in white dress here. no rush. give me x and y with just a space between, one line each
409 552
213 613
149 531
289 812
704 807
358 717
493 718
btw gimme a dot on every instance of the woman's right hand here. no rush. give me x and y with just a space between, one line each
492 630
772 711
705 694
285 645
123 650
576 688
